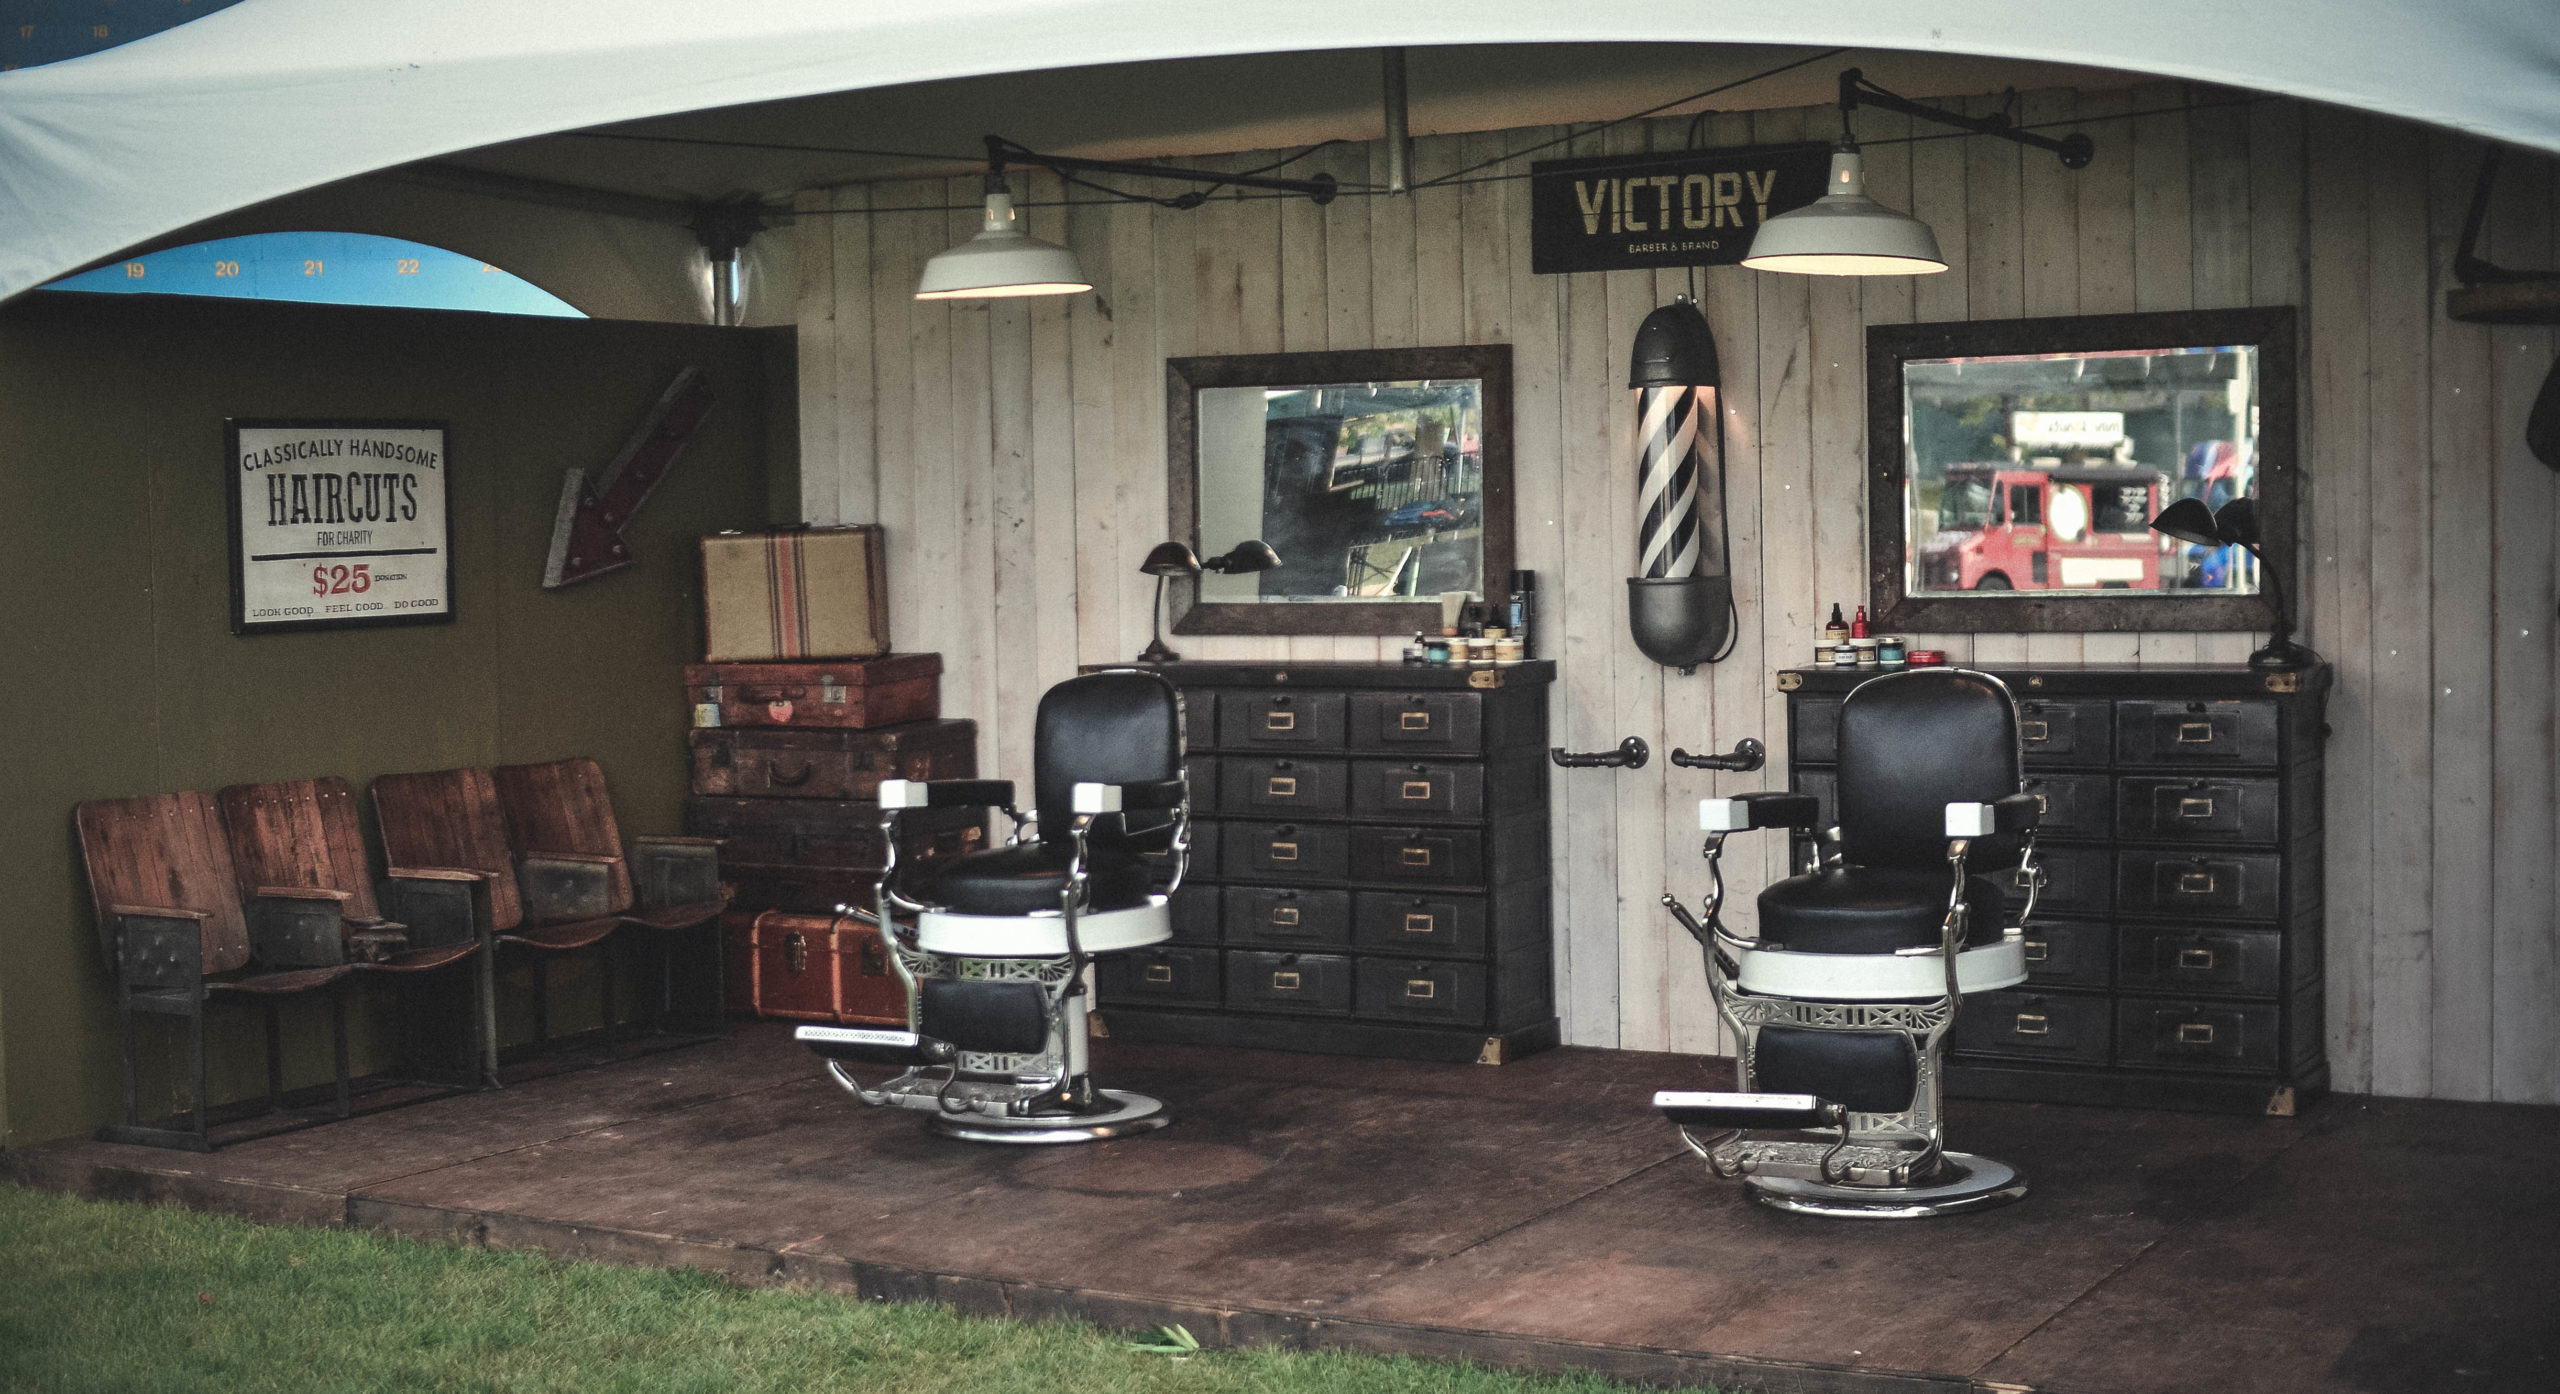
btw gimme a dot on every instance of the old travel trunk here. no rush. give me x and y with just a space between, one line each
772 762
841 693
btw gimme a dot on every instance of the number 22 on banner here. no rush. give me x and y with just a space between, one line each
342 580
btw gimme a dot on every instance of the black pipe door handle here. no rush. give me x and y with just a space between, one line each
1748 754
1630 755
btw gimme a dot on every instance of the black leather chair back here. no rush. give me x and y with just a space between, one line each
1117 727
1912 743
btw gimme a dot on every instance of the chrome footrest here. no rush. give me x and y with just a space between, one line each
986 1097
1859 1164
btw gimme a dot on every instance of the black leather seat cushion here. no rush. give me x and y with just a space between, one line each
1026 879
1872 910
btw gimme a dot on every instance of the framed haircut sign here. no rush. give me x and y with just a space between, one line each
1692 208
336 524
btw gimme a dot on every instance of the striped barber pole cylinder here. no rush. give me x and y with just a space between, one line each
1680 601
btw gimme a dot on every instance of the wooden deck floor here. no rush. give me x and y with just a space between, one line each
1534 1215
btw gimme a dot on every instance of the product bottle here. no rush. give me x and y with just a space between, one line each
1858 626
1524 599
1838 629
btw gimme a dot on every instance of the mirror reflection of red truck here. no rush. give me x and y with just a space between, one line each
2004 526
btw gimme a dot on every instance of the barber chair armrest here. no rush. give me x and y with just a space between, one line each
1137 795
946 793
1770 809
2010 813
566 886
670 871
1747 1111
874 1045
157 946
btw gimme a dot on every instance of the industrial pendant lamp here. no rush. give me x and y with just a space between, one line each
1002 260
1846 233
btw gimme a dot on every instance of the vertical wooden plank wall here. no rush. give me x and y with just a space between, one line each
1016 453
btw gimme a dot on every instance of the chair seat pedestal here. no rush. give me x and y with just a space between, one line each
1962 1182
1117 1113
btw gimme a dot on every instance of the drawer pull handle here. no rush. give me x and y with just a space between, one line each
795 954
2035 731
1418 924
1284 851
2195 733
1280 721
2195 808
2195 883
1159 972
2195 1033
2198 959
1284 915
1284 982
1417 789
1416 856
2030 1024
2043 806
1417 721
1421 989
1281 786
2035 950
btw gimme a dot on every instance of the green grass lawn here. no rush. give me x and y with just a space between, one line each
102 1296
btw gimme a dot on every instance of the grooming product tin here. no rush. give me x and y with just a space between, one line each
1435 650
1863 652
1506 650
1843 656
1892 652
1928 658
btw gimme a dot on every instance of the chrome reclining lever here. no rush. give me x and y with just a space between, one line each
1630 755
1748 755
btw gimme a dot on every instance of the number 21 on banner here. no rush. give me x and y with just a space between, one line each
342 580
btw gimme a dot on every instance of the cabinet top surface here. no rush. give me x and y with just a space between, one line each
2108 679
1401 676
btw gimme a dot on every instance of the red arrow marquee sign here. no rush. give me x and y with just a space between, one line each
586 535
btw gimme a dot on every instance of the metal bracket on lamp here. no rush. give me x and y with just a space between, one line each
1171 559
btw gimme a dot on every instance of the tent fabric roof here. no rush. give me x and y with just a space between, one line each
269 97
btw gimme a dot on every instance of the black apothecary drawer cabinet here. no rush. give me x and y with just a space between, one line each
1369 870
2174 958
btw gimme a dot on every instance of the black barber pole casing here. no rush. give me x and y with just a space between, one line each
1679 617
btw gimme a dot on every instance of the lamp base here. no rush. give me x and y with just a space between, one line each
1156 652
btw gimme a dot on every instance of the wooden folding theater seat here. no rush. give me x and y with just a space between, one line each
297 840
177 934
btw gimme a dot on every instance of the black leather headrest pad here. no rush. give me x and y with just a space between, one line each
1103 728
1912 743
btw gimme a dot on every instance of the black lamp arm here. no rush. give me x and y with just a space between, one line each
2075 149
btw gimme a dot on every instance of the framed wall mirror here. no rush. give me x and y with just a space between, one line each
2016 465
1382 477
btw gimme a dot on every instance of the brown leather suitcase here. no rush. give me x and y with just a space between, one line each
819 968
772 762
840 833
850 693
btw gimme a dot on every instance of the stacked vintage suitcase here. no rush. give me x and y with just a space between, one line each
799 711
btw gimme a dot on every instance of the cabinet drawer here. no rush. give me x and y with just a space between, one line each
1168 976
2195 1035
1813 730
1287 851
1309 984
1280 720
2075 881
2069 953
2153 808
1194 909
1453 924
1287 915
2028 1025
2072 805
2055 732
2169 732
1417 721
1204 774
1202 863
1279 786
2215 962
1427 855
1824 785
1396 789
1199 718
2221 886
1387 989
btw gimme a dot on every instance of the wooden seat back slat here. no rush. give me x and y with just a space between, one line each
165 850
300 833
561 806
450 819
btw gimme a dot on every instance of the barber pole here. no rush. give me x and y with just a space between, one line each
1680 617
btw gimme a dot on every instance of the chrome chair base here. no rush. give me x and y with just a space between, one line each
1964 1182
1125 1116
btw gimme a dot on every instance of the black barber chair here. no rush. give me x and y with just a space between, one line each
994 964
1842 1003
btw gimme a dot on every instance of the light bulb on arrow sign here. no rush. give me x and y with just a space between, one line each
586 534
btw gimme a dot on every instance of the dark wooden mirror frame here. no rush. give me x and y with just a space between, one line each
1184 379
1889 346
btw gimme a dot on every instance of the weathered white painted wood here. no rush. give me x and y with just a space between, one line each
817 336
857 492
1052 529
1092 371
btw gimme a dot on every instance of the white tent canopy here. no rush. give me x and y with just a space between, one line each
270 97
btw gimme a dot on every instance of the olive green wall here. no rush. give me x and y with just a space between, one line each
122 675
